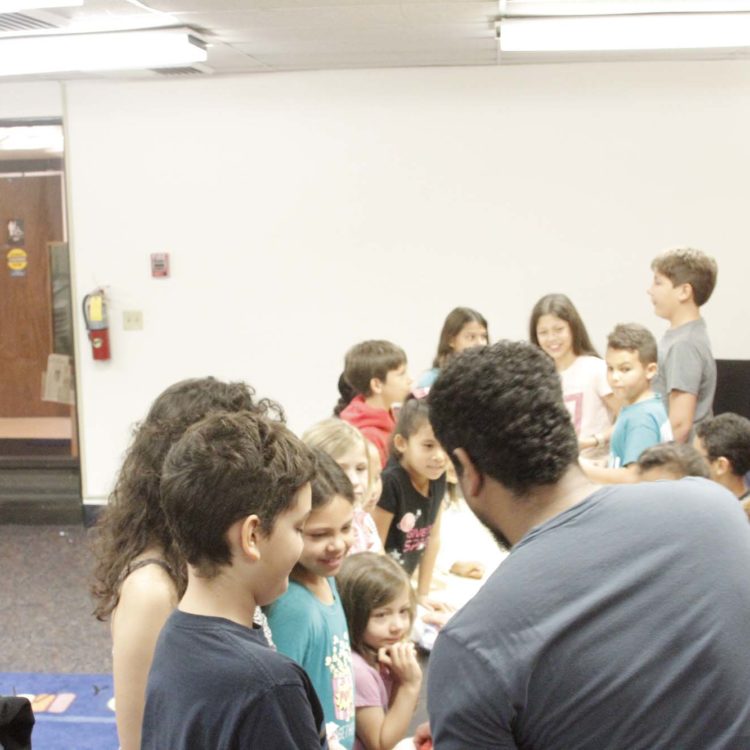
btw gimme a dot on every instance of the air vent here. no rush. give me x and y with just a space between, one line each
22 22
188 70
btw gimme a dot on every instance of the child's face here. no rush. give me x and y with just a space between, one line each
665 297
396 386
472 334
422 453
281 549
555 337
327 537
376 483
354 462
390 623
627 376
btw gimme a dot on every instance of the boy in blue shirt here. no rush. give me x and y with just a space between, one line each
642 421
236 493
683 282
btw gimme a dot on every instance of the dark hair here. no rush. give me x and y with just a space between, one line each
329 480
634 337
457 318
413 414
366 582
363 362
224 468
346 394
684 265
503 405
133 520
561 307
728 436
678 459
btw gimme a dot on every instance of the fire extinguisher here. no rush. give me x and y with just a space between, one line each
95 316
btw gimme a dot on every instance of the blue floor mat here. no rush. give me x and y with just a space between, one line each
72 711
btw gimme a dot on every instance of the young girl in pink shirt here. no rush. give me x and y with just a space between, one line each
380 605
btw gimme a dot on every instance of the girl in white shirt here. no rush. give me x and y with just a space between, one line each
557 329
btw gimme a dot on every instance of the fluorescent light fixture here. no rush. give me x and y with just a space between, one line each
551 8
12 6
621 33
117 50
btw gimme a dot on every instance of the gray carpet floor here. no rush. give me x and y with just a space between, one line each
46 623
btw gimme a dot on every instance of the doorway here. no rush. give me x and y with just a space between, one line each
37 398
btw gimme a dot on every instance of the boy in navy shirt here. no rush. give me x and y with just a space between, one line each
236 493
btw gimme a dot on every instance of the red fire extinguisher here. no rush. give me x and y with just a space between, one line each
95 316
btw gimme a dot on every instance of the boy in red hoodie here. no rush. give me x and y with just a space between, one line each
375 378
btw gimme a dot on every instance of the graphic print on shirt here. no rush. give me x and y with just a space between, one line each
416 538
574 404
339 663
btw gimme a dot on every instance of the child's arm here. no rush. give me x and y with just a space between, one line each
382 730
681 409
383 521
427 563
603 475
147 598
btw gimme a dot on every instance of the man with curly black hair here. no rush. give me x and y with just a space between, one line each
724 442
617 619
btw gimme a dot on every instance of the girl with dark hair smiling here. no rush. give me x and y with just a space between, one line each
557 329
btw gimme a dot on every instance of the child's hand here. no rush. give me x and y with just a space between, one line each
401 659
467 569
433 605
423 737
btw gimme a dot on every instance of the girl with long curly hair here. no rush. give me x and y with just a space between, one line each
140 574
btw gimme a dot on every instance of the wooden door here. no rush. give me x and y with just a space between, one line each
25 303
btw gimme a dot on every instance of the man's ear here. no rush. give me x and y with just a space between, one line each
722 466
249 534
376 386
472 480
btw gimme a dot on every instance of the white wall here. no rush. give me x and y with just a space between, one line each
31 99
304 212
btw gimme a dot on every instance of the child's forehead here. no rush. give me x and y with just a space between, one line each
423 431
622 355
550 319
355 451
660 277
336 512
399 597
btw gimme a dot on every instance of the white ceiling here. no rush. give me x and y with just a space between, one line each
250 36
246 36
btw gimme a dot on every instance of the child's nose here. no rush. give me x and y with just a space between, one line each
338 543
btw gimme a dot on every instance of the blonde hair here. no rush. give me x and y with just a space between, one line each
335 437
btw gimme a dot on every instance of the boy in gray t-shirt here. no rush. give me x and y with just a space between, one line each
683 281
